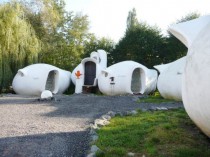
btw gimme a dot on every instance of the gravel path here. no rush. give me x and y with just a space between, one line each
57 128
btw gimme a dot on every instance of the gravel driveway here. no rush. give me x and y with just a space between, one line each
57 128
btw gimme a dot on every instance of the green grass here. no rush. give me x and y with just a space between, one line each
154 134
154 98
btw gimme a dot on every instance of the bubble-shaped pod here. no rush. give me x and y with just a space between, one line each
127 77
195 82
35 78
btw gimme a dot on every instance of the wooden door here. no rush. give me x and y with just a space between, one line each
90 73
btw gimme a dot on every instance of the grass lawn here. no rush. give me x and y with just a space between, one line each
154 98
153 134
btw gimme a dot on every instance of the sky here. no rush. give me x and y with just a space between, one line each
108 17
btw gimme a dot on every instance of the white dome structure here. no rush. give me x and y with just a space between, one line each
87 72
169 82
196 83
36 78
127 77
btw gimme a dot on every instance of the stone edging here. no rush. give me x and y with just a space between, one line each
105 120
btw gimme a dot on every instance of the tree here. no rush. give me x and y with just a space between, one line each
62 33
132 21
34 31
141 43
49 12
47 17
189 17
18 42
67 44
94 44
27 28
144 44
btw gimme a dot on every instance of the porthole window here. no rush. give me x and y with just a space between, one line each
106 74
20 73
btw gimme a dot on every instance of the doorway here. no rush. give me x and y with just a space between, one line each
90 73
51 81
136 81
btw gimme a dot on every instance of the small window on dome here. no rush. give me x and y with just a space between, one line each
106 74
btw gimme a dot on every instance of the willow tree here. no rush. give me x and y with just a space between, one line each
18 42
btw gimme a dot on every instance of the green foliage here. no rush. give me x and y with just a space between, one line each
146 45
159 134
132 20
66 47
188 17
49 12
19 44
154 98
143 44
94 44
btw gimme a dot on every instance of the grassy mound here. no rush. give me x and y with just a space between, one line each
159 134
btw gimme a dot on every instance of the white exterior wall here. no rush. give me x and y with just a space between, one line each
99 58
102 58
196 77
31 80
151 81
73 76
122 73
186 32
170 79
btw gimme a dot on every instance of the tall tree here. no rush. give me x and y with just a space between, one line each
28 27
132 20
67 44
18 42
62 33
144 44
141 43
50 12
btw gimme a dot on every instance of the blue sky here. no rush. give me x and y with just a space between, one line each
108 17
